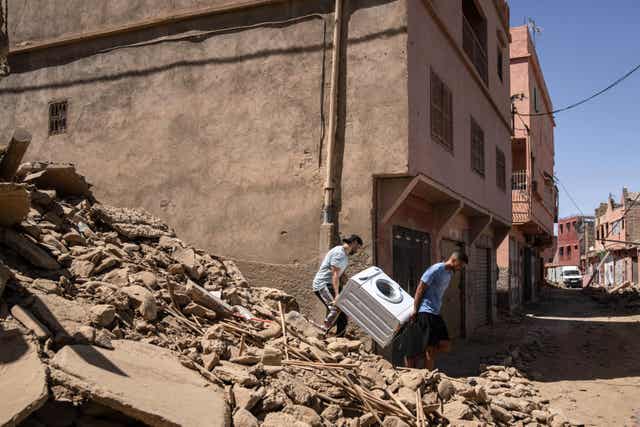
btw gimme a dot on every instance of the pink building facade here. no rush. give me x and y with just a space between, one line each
534 194
614 232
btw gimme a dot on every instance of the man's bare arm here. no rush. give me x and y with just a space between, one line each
335 280
417 299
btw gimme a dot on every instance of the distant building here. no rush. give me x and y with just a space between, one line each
575 237
615 237
533 191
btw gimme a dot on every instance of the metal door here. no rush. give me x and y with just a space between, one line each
480 288
453 301
411 257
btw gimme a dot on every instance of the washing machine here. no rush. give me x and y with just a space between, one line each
376 303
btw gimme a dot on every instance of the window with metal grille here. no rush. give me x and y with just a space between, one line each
441 112
501 170
477 148
58 117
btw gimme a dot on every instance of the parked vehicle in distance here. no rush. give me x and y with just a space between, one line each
571 276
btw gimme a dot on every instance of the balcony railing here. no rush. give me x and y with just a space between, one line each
474 49
519 180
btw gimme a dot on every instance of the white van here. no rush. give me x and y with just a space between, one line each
571 276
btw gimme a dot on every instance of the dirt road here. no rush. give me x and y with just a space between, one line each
587 361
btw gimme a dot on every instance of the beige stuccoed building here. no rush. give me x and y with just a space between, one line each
234 121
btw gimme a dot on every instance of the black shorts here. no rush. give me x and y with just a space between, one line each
427 331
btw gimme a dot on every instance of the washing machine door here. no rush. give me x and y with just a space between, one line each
388 291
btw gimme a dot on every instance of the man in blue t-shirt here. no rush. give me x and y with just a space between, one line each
426 314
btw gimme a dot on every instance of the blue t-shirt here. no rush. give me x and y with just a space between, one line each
437 279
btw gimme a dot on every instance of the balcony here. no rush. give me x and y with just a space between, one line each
474 49
520 197
519 180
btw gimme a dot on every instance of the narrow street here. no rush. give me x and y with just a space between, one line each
583 356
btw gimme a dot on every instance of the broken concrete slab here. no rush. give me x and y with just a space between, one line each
130 223
124 380
14 204
12 154
62 316
30 322
22 378
60 177
28 249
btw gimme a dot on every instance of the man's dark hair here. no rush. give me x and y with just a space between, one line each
460 256
353 238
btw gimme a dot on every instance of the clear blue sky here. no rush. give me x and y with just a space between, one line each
584 46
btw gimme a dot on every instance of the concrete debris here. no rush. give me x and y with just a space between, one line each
142 381
22 378
132 319
14 203
62 178
12 154
130 223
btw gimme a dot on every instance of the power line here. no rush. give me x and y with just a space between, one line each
568 194
569 107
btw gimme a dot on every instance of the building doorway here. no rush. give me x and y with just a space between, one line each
411 256
453 305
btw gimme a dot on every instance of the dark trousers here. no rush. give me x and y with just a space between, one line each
326 295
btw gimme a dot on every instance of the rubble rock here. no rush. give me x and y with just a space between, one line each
393 421
143 300
103 314
302 325
233 373
130 223
81 268
446 389
46 286
271 356
14 204
28 249
124 380
246 398
456 409
304 414
244 418
501 414
412 379
30 322
22 378
332 413
280 419
60 177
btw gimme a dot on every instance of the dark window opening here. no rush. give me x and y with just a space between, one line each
500 63
441 112
501 170
58 117
568 251
535 99
561 251
561 228
474 37
477 148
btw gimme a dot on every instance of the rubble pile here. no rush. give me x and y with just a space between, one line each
106 308
626 295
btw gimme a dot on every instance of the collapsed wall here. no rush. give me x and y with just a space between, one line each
105 307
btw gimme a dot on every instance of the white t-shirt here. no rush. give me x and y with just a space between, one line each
336 257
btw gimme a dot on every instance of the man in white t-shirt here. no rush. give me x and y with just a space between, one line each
326 283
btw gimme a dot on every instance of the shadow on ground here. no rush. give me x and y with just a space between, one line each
580 340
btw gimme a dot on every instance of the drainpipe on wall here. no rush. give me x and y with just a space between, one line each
328 227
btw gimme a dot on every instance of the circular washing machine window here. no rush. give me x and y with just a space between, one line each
388 291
